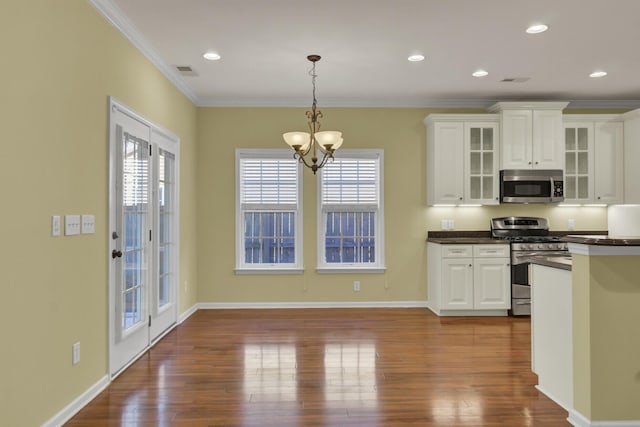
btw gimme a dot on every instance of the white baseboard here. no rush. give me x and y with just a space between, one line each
578 420
80 402
184 316
265 305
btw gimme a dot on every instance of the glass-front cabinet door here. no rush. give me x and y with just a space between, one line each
481 158
578 139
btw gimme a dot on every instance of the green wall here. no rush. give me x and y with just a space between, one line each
61 60
402 135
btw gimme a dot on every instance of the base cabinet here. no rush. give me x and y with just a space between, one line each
469 279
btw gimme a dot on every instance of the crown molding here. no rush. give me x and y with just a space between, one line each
484 104
347 103
118 19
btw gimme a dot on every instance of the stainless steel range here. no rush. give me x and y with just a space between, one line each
529 236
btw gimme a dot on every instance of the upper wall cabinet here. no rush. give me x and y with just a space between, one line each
631 157
462 159
531 134
593 159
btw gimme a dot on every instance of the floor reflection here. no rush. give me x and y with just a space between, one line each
270 372
462 407
350 375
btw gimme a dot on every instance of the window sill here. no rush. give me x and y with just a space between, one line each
267 270
350 269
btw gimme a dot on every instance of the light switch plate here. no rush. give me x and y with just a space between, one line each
55 225
571 224
444 224
451 224
88 224
71 225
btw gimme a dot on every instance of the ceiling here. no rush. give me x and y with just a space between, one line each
364 46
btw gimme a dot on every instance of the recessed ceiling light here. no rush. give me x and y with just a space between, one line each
480 73
537 28
211 56
598 74
416 58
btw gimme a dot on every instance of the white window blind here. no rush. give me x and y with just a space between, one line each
268 182
351 182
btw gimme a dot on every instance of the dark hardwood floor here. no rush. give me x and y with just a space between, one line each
330 367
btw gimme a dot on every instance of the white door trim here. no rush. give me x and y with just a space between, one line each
158 136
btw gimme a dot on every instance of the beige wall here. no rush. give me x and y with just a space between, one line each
606 294
60 62
401 133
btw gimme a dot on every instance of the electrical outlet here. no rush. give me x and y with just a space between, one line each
75 359
571 224
356 286
451 224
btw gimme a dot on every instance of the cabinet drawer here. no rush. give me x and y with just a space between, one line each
491 251
457 251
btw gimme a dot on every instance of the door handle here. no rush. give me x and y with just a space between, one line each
116 254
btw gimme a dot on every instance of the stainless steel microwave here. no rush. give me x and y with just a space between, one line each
531 186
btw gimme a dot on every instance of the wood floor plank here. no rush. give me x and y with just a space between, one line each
330 367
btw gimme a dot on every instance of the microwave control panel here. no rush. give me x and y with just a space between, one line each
557 189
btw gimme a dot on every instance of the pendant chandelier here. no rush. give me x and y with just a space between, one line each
315 142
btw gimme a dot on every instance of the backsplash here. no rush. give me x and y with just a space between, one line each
478 218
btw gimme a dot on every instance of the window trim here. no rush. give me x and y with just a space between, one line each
379 265
285 268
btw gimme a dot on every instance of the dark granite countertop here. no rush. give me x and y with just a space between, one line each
463 238
602 240
562 262
460 237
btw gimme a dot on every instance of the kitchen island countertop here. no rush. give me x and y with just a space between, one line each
603 240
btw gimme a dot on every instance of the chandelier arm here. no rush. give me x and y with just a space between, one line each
302 160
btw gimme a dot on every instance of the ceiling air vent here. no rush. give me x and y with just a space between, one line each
515 79
186 70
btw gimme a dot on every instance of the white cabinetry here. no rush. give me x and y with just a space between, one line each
631 157
531 134
462 159
469 279
593 159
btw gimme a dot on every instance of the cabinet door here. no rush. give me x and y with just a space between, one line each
608 162
516 139
481 163
548 139
492 289
579 169
457 284
445 172
631 156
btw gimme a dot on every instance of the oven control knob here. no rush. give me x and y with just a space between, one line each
529 246
540 246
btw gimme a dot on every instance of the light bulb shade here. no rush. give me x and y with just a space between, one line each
297 138
329 137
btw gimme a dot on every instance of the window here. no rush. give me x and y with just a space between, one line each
269 212
350 229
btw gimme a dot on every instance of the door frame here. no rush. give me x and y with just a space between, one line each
155 133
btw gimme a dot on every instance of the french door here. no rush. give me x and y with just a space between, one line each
142 234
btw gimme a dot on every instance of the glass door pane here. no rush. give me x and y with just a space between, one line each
166 216
135 211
